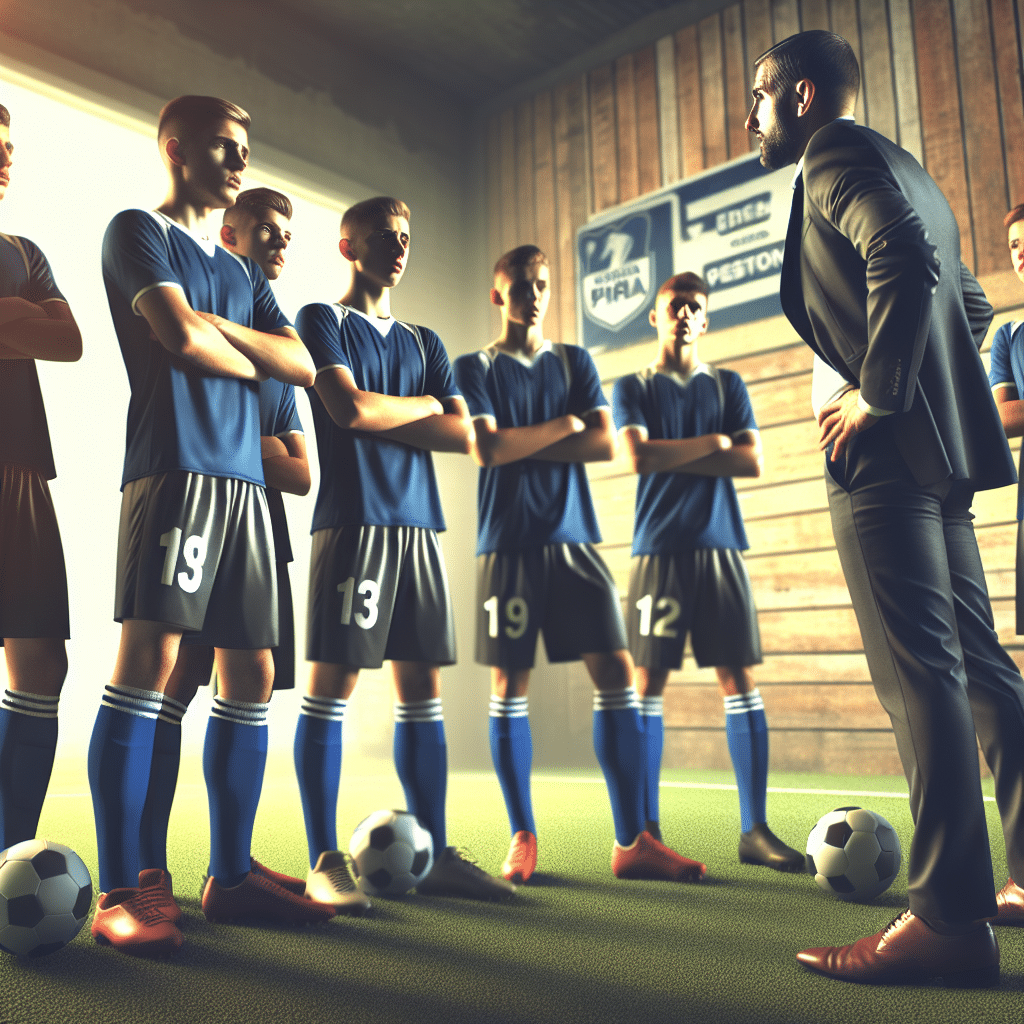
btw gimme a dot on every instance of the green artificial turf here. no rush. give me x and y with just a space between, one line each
574 945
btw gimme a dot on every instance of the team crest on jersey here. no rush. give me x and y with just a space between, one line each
618 271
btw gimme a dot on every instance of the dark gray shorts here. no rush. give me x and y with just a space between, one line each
564 590
33 582
197 552
376 594
706 593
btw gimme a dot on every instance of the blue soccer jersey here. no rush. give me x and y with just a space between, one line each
366 480
683 511
1007 367
180 418
24 436
278 416
532 502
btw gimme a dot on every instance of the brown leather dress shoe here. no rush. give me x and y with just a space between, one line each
1010 900
908 952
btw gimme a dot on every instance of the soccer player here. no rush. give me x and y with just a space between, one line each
198 327
1007 379
384 400
35 323
538 415
689 429
256 226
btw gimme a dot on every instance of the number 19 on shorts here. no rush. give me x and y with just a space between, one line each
517 616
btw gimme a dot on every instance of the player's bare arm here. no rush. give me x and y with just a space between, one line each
285 466
494 446
596 443
742 459
185 334
38 331
280 354
449 431
673 454
369 411
1011 410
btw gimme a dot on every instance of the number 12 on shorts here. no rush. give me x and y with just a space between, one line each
662 626
517 615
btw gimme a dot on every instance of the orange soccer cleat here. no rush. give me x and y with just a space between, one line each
647 858
134 921
522 858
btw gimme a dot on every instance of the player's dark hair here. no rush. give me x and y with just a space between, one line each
5 116
823 57
1016 214
369 211
518 259
256 202
188 114
686 282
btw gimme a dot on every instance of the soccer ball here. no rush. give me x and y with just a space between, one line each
853 853
45 896
392 852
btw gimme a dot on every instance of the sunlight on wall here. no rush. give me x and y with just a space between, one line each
73 171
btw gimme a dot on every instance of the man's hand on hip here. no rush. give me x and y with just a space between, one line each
841 420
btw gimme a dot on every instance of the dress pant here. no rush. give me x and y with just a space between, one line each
915 577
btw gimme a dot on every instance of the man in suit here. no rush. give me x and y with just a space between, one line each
872 281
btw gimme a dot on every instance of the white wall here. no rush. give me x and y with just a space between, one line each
113 64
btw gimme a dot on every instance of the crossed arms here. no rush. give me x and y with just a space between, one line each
705 455
46 330
417 420
217 346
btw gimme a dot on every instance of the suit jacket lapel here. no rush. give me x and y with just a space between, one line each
791 292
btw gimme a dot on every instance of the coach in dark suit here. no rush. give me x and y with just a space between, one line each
873 282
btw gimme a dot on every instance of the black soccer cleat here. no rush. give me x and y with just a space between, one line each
760 846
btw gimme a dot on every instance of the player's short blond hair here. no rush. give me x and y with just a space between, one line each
186 115
518 259
366 213
256 201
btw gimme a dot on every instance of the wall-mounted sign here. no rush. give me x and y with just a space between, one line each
728 225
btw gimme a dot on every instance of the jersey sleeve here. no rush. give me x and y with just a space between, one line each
585 395
135 257
41 285
738 414
266 314
317 325
286 415
471 378
440 381
627 409
1000 369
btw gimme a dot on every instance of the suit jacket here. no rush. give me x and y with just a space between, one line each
872 280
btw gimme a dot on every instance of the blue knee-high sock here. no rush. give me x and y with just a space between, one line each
512 754
653 725
120 755
318 768
421 760
746 730
234 757
163 780
28 740
619 745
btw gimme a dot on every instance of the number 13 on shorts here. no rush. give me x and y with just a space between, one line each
369 591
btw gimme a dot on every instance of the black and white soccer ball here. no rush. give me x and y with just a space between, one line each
392 852
45 896
853 853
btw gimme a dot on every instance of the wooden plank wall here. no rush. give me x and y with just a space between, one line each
677 107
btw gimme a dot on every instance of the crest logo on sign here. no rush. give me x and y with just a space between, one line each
618 271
